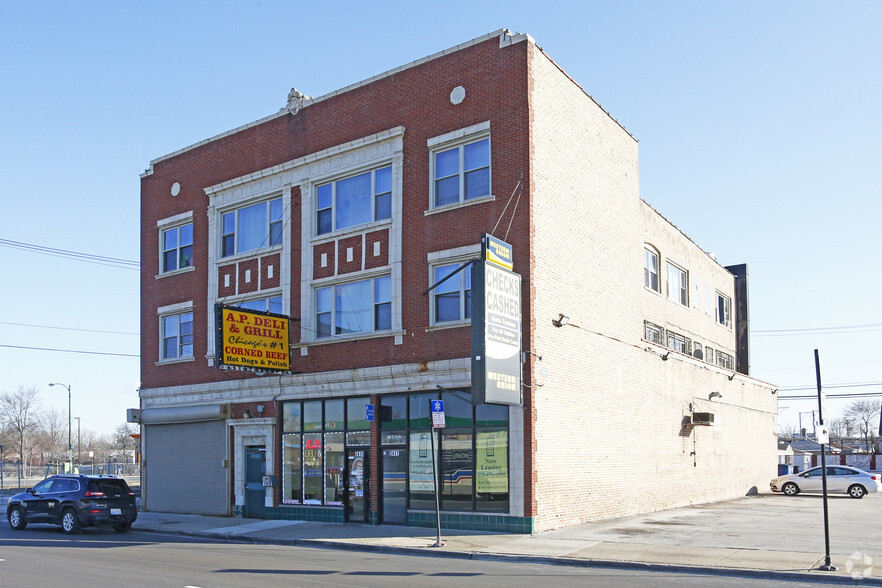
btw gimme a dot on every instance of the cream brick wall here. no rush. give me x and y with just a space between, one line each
607 421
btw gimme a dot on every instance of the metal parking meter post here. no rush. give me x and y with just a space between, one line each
827 563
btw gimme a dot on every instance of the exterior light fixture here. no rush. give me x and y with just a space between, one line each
560 321
713 395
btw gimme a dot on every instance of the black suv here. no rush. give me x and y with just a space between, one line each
75 501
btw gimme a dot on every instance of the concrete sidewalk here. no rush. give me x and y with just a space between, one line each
744 537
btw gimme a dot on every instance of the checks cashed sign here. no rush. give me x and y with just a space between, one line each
496 325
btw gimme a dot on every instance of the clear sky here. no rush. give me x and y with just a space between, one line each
758 125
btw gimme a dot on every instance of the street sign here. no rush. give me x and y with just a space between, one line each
438 414
368 412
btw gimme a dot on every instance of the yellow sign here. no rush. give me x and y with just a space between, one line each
254 340
491 465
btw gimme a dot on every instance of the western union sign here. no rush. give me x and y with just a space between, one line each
497 252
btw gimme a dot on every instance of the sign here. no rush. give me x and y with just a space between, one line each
252 340
823 434
368 412
497 252
496 334
438 414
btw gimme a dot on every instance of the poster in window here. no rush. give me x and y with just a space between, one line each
421 479
491 464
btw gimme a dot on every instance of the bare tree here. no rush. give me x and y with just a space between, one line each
122 437
51 434
840 430
20 413
864 414
788 432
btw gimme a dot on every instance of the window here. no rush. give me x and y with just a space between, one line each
452 299
461 173
271 304
724 310
650 269
726 361
312 448
354 307
177 336
653 333
709 354
252 227
678 342
177 248
678 285
354 201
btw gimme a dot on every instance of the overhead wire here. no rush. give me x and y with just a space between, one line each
68 254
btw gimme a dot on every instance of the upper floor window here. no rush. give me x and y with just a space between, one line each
678 284
680 343
650 269
653 333
724 310
271 304
354 307
252 227
355 200
177 336
725 361
177 248
461 173
452 298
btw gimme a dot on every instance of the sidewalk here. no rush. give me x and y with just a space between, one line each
737 544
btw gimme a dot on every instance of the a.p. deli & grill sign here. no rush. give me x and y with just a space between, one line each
252 340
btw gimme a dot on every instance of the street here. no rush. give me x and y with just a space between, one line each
42 555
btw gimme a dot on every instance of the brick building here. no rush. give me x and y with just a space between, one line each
341 212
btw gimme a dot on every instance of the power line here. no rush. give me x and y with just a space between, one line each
815 387
70 351
67 254
68 328
865 328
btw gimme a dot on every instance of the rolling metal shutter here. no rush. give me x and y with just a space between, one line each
184 469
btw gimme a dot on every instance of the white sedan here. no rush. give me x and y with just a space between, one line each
840 479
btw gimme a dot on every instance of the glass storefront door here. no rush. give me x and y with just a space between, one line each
394 489
356 499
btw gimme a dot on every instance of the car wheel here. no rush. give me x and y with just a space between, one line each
790 489
16 519
856 491
70 522
122 528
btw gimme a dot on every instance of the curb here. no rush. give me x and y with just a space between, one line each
803 576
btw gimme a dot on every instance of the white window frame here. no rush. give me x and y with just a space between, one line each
649 328
167 312
724 310
332 285
649 253
333 208
168 224
237 232
679 293
456 256
458 140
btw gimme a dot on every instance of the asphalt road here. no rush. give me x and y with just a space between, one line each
43 556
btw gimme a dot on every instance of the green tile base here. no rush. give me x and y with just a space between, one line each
462 521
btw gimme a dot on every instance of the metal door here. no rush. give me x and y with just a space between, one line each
255 493
355 499
394 490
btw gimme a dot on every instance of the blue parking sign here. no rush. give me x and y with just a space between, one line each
437 406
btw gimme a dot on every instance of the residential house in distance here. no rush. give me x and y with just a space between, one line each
341 227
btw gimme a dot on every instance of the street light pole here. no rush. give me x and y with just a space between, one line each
69 427
79 460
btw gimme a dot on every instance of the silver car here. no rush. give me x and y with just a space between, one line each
840 479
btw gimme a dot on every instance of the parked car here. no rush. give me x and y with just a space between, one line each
840 479
75 501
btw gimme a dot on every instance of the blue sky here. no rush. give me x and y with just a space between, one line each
758 125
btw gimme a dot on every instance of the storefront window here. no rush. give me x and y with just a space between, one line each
421 410
355 414
291 417
491 470
334 468
312 469
456 469
312 415
393 412
292 475
334 415
457 408
421 486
